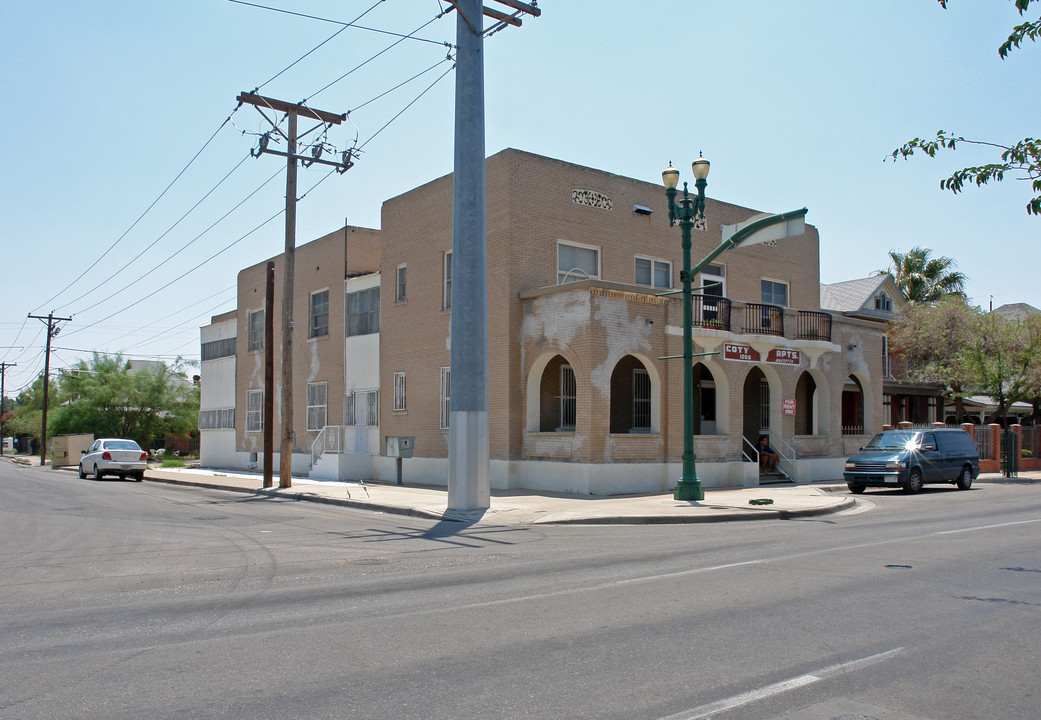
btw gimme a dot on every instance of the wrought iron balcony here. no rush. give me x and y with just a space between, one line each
763 319
711 311
812 325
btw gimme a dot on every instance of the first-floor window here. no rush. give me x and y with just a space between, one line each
764 406
399 391
641 400
568 398
254 411
446 396
317 405
218 419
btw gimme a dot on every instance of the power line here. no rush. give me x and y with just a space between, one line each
141 216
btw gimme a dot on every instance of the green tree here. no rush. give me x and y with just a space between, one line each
924 279
1022 158
110 398
1002 357
929 339
25 415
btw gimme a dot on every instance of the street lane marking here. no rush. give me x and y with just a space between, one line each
751 696
985 527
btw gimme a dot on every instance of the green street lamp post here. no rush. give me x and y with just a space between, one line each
757 229
689 209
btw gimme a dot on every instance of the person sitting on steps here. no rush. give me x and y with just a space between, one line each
768 457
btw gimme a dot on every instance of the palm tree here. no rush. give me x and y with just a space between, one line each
922 279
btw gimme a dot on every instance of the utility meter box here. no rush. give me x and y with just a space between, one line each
400 446
67 449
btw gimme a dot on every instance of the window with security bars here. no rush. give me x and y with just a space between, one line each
319 314
256 331
254 411
362 408
217 419
446 396
641 400
568 398
317 405
399 391
764 405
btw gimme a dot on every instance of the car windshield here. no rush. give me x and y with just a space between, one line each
895 441
122 445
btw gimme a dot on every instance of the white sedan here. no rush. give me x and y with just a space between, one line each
110 456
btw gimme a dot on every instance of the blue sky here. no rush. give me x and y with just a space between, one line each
796 104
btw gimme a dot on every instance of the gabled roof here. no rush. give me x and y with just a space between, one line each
857 297
1017 311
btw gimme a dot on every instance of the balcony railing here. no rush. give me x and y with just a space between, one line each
764 319
711 311
812 325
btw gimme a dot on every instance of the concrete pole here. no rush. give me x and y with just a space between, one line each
468 451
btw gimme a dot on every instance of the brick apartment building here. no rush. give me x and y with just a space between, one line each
579 397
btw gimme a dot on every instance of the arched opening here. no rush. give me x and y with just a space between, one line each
756 404
705 414
805 405
631 397
852 407
558 401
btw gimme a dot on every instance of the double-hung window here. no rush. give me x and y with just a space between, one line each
399 391
363 312
656 273
319 314
317 405
577 262
400 294
446 396
446 281
254 411
256 330
775 293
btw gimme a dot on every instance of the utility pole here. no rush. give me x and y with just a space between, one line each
292 111
3 370
51 332
469 460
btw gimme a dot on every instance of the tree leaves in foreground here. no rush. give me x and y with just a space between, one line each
110 398
1022 158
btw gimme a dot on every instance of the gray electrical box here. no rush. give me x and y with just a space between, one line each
400 446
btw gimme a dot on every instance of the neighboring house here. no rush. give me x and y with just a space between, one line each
582 395
877 299
217 394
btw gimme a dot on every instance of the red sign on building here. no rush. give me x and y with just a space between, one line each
783 356
732 351
788 406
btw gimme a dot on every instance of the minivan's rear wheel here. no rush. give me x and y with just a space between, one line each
965 479
914 482
855 487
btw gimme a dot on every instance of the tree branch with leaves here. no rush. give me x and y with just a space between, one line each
1021 159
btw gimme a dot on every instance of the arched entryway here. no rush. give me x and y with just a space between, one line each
706 418
558 397
806 405
852 407
756 404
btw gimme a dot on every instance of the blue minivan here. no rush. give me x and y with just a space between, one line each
911 458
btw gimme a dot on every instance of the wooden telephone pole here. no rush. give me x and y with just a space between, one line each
51 332
3 371
293 112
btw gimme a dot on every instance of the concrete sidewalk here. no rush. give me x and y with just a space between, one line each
780 501
530 507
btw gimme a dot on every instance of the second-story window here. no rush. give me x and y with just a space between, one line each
775 293
256 330
363 312
446 281
577 262
319 314
399 294
883 302
656 273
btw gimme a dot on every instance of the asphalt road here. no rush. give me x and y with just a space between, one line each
139 600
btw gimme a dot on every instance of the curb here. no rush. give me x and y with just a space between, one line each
734 515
